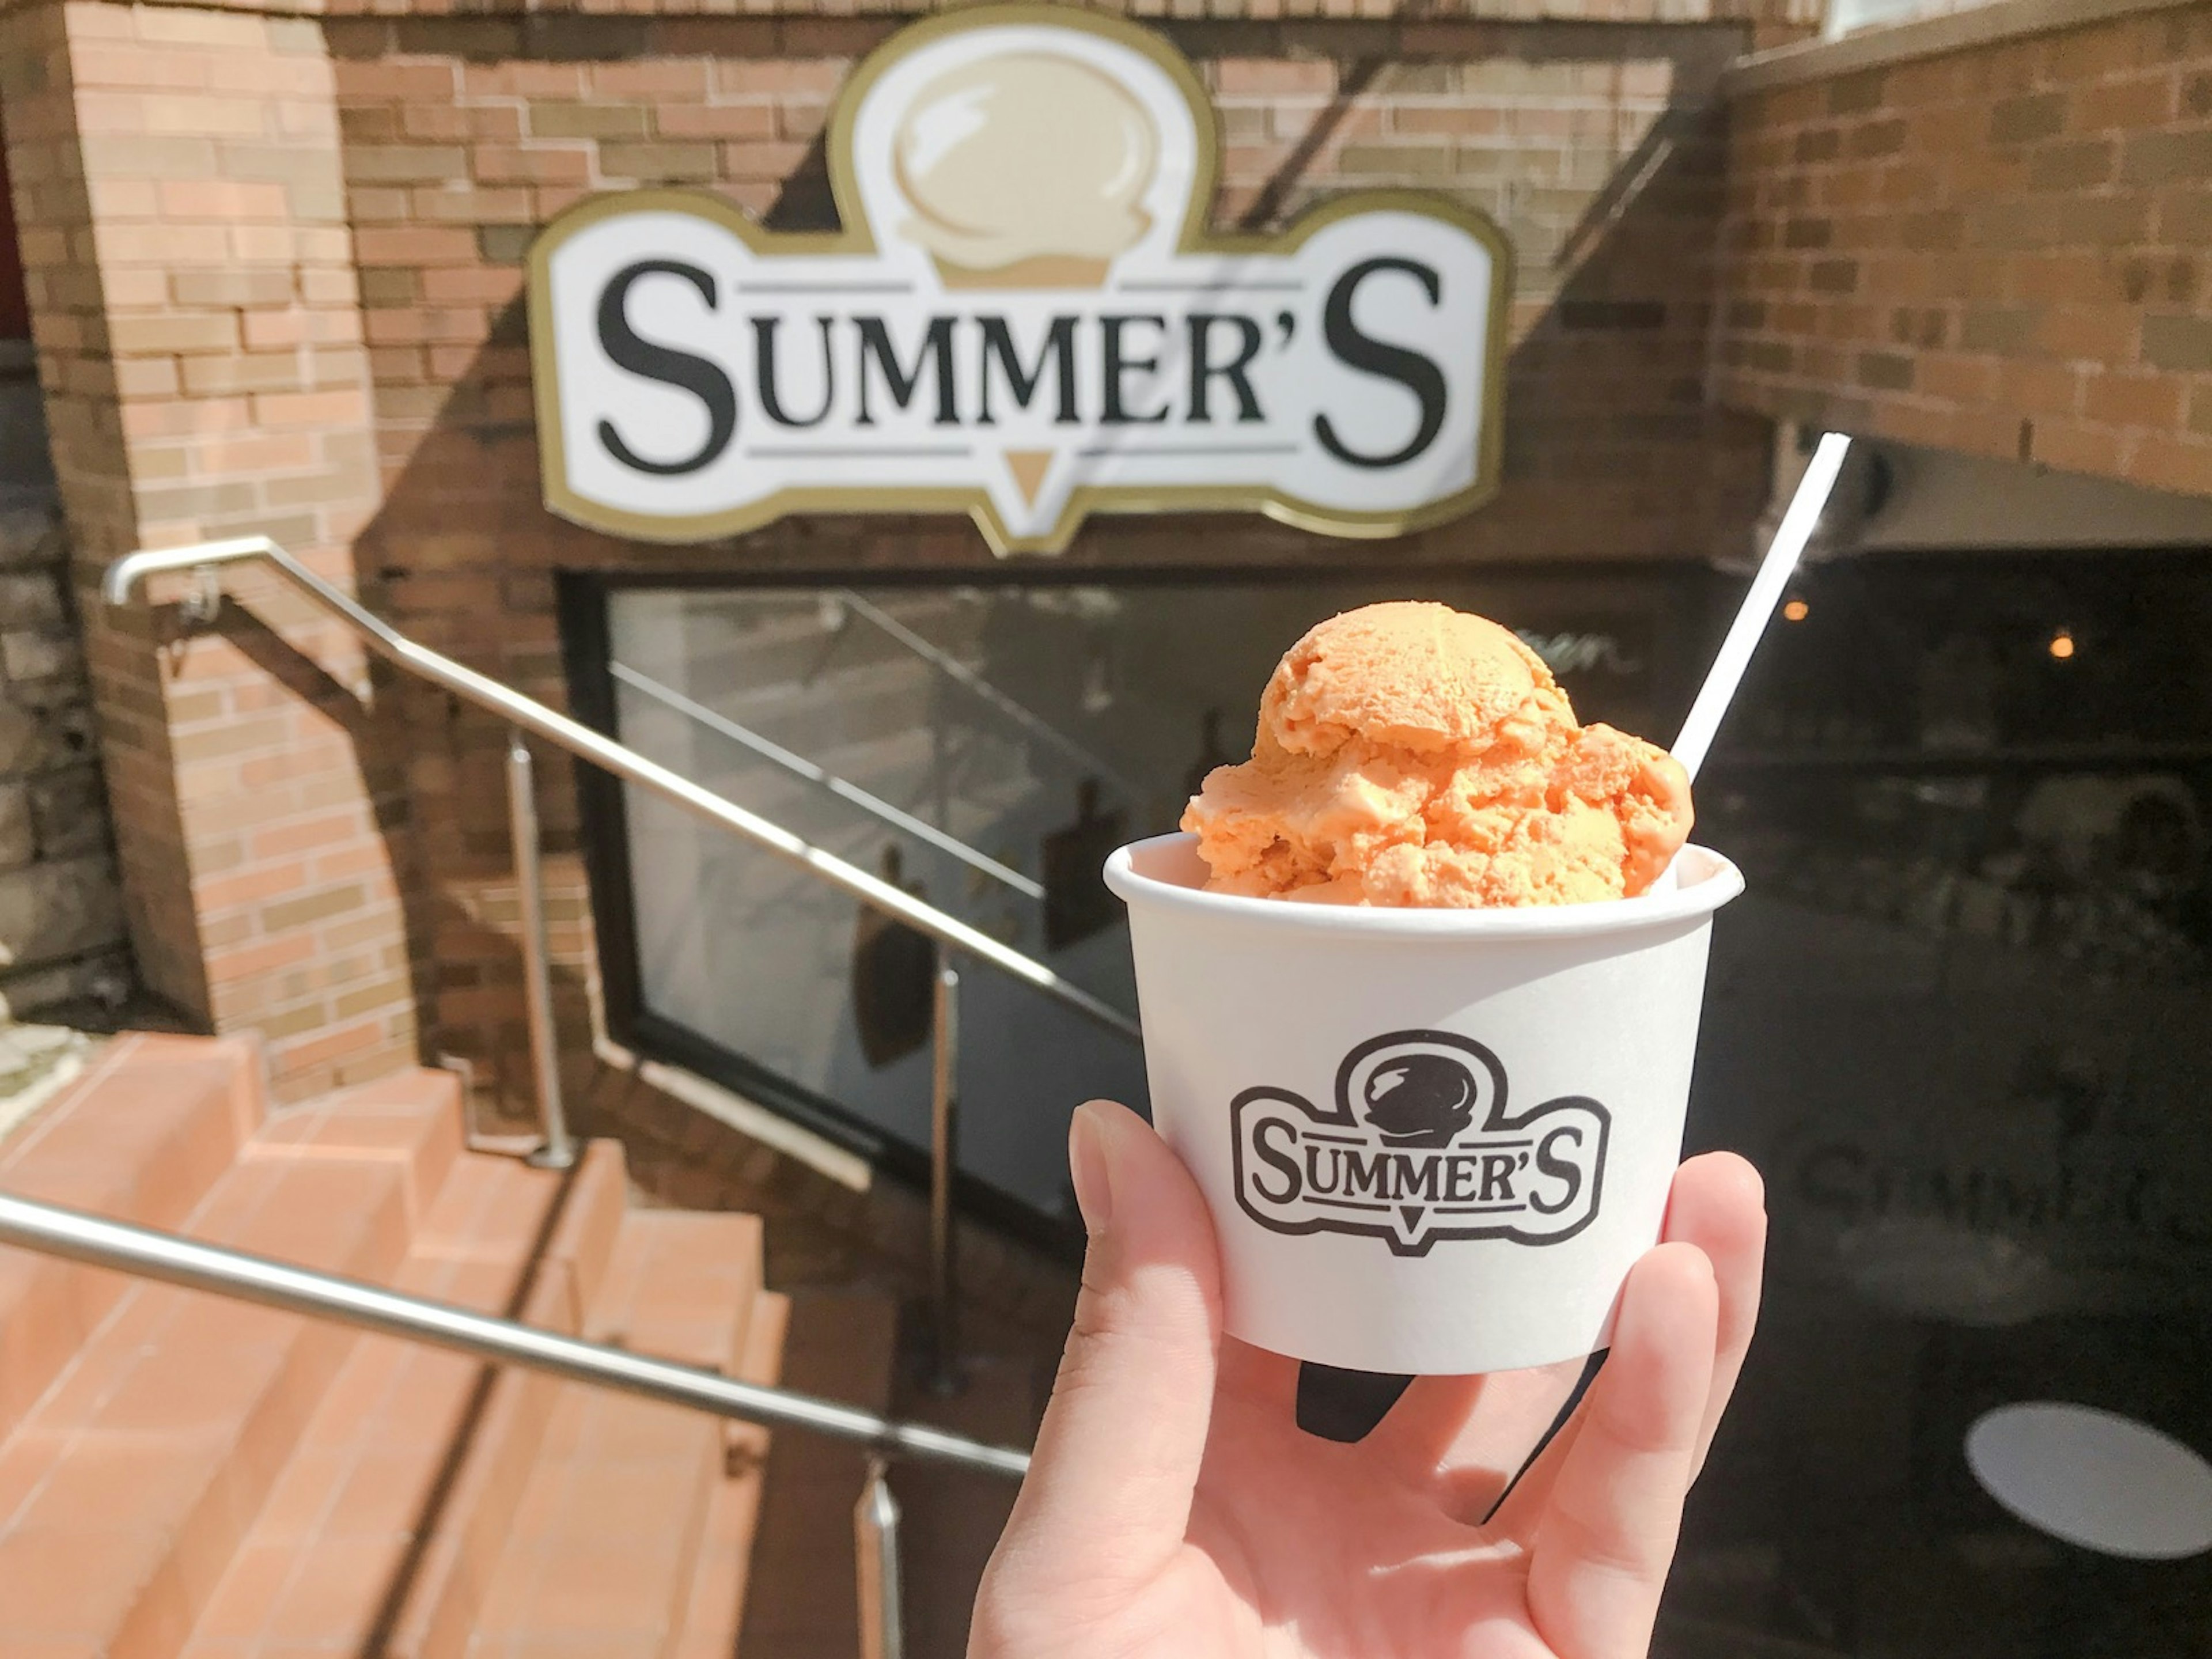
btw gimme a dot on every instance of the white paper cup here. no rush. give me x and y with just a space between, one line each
1434 1141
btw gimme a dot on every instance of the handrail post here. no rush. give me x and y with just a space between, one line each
943 1160
875 1541
557 1151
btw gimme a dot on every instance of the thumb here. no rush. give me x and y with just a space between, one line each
1108 1492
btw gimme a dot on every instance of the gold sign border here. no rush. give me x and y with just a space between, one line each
855 238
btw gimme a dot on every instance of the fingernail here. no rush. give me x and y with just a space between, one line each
1087 1166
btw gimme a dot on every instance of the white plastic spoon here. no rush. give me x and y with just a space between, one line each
1767 587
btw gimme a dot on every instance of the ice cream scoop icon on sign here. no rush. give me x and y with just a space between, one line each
1025 170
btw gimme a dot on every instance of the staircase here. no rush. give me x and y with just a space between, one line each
186 1478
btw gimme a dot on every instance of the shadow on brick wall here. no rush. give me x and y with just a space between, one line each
1611 453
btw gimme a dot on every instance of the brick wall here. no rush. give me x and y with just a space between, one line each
461 139
1593 148
191 275
2003 250
275 269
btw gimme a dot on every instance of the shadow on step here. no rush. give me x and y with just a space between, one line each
802 1603
801 1600
953 1518
400 1591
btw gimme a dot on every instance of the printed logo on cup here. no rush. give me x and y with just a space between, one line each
1024 315
1419 1149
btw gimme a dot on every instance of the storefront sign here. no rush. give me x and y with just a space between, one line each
1024 319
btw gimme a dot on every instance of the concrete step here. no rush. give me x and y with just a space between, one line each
801 1602
198 1478
345 1552
606 1545
141 1137
128 1488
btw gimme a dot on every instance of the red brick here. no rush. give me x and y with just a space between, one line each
716 120
174 332
493 285
98 64
539 163
762 160
522 80
2102 334
251 452
264 881
2061 278
312 408
2076 448
650 78
472 206
821 75
1456 120
2035 388
2143 101
405 80
367 856
330 1046
415 245
2141 400
2179 463
247 961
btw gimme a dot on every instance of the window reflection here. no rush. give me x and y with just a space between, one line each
1962 1019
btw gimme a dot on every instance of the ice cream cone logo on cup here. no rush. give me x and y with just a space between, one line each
1418 1148
1024 317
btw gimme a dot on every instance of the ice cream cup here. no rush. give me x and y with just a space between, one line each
1433 1141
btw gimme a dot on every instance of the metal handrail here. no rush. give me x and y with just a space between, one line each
581 741
145 1253
959 673
525 714
182 1261
798 766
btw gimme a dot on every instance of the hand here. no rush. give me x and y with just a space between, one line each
1175 1510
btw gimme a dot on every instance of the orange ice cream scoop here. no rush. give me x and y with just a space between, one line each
1410 754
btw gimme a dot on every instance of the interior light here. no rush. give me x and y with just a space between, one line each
2061 645
1795 610
2094 1478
